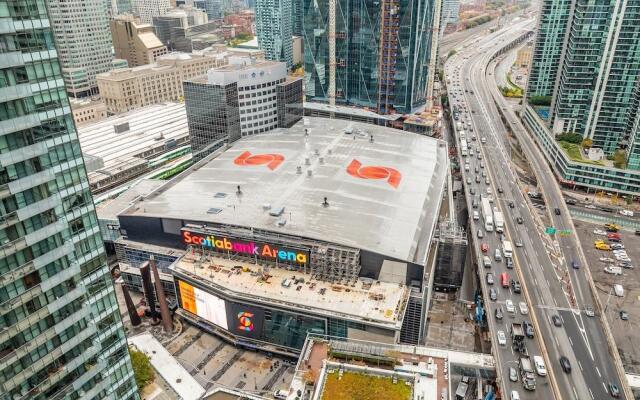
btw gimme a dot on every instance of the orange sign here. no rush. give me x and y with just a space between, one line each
188 297
272 161
392 175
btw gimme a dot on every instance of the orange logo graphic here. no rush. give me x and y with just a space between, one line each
271 160
392 175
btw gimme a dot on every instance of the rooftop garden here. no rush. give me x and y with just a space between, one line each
357 386
573 145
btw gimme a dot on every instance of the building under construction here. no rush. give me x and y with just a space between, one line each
323 227
450 259
377 54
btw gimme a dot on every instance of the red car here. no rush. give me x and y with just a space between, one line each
612 235
484 248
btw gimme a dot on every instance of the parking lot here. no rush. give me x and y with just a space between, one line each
626 333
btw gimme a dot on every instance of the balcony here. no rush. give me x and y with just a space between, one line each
22 184
65 274
22 298
93 392
8 220
38 207
36 263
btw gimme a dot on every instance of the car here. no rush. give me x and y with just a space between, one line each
489 278
486 261
477 169
479 156
502 338
508 304
484 174
493 294
513 374
466 167
519 220
613 390
481 164
515 395
624 315
480 234
617 246
599 232
591 207
474 203
486 181
509 262
484 247
483 140
516 286
518 242
489 191
625 264
588 311
500 189
468 180
557 211
575 264
477 179
557 321
499 313
524 310
603 246
606 259
472 191
528 329
476 215
512 204
637 232
571 202
626 213
565 364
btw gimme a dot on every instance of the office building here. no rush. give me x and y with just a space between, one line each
177 19
81 32
121 7
587 68
292 231
243 98
388 70
134 41
126 89
297 17
147 9
86 111
61 335
273 28
450 12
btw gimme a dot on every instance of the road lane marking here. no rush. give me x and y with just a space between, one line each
605 387
598 371
571 341
574 392
580 365
591 393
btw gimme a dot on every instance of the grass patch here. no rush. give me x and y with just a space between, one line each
574 152
355 386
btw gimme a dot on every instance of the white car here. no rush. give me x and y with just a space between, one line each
626 213
489 191
483 140
509 306
515 395
523 308
606 259
590 206
502 338
599 232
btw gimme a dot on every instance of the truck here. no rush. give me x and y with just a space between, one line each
527 373
458 126
498 220
487 214
507 249
517 336
463 147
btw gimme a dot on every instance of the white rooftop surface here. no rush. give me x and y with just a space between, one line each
353 302
109 208
145 125
167 366
393 220
312 105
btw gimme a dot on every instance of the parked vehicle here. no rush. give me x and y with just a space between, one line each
613 270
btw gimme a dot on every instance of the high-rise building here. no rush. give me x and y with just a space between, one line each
243 98
147 9
134 41
177 20
588 62
61 336
81 31
273 28
387 70
450 11
297 16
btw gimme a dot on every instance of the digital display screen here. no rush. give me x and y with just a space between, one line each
203 304
245 320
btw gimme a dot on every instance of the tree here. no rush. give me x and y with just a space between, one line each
451 53
142 369
587 143
540 100
620 159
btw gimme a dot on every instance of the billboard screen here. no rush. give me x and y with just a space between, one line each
260 250
245 320
203 304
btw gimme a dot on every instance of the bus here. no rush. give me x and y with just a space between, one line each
487 214
463 147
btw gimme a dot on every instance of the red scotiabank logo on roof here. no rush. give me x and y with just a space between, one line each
392 175
272 161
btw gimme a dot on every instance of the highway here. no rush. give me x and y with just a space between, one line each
551 286
505 355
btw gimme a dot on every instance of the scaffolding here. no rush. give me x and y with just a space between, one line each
335 264
450 259
389 27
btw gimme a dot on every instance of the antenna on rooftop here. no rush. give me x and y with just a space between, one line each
306 131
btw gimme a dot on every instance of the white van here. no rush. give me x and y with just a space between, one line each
476 216
538 362
618 290
610 269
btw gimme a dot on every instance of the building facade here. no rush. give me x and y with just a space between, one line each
134 41
126 89
81 32
61 335
178 19
386 70
273 27
147 9
450 12
587 61
86 111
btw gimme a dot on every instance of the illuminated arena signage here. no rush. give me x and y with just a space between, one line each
260 250
245 322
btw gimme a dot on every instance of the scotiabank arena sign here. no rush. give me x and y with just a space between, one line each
260 250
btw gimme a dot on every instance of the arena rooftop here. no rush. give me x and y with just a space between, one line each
389 213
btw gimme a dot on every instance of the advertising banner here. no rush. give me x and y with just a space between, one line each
259 250
245 320
203 304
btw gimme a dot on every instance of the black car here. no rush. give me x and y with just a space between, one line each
516 286
571 202
556 320
500 189
511 205
519 220
557 211
624 315
565 364
528 329
613 390
638 232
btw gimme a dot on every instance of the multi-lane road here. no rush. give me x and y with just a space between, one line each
551 286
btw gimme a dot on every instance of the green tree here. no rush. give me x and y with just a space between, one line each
620 159
540 100
451 53
142 369
587 143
